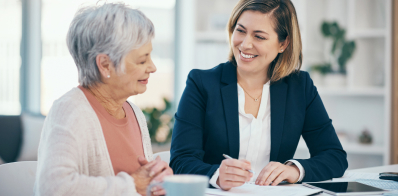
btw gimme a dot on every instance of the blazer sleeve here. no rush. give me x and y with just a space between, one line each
187 141
328 159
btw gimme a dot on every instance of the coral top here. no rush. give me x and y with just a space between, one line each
122 136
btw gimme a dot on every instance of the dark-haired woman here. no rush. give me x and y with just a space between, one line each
255 107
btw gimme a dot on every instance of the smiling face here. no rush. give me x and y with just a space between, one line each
138 67
255 42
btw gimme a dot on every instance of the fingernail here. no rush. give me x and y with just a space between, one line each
151 174
154 189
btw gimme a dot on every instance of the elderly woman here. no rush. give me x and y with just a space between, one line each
95 142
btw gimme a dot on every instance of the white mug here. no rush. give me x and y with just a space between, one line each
182 185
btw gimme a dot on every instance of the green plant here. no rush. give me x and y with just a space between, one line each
341 51
160 122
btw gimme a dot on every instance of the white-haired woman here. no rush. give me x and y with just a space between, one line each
95 142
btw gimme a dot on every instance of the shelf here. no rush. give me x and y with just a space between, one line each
353 148
344 91
367 33
212 36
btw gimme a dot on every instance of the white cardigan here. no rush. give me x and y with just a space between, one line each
73 158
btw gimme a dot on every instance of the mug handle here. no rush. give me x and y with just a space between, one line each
151 185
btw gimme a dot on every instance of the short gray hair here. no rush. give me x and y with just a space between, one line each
113 29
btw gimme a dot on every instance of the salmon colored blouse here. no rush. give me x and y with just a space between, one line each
122 136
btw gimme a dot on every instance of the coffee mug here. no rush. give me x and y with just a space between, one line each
182 185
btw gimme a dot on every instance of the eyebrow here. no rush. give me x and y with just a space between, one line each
146 54
256 31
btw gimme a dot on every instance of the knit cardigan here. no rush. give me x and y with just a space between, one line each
73 158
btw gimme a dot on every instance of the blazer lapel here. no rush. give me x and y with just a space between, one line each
229 94
278 102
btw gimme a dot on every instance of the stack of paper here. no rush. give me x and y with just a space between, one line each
252 189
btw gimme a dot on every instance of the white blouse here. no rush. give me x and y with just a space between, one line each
255 135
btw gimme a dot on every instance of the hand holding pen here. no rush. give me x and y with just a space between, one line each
228 157
233 173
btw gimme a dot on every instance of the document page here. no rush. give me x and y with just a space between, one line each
353 176
252 189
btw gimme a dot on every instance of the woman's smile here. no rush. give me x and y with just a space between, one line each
246 57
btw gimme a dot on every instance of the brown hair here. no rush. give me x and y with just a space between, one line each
283 15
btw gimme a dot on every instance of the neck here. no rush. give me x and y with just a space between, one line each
109 100
252 81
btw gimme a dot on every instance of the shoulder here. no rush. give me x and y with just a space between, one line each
298 82
73 99
209 76
71 110
301 83
298 77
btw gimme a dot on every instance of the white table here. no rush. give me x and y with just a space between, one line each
387 168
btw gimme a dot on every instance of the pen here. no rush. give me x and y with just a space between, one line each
228 157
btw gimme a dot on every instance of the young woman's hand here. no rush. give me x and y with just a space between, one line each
276 172
233 173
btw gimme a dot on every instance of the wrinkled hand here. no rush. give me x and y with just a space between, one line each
276 172
141 176
156 170
233 173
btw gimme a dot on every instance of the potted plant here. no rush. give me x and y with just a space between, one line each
334 71
160 123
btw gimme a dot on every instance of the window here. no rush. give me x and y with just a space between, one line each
10 37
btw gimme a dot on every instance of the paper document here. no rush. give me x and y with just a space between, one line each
353 176
252 189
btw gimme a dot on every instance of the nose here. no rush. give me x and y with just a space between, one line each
151 68
247 43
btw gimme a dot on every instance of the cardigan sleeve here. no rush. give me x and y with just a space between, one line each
187 141
328 159
61 168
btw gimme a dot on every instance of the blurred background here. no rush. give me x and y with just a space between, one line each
347 48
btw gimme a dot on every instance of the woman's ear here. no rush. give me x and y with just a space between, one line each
283 45
104 65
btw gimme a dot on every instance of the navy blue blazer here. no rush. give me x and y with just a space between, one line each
207 124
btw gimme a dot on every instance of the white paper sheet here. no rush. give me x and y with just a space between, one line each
252 189
353 176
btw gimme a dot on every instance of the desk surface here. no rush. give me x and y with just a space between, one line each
386 168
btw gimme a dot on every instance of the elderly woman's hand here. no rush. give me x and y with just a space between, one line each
155 171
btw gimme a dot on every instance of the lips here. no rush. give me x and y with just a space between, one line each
246 57
143 81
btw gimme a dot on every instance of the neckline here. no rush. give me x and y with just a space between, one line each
102 111
264 98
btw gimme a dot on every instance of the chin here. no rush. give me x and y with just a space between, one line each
140 91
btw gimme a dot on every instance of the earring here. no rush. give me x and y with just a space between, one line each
282 50
108 76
